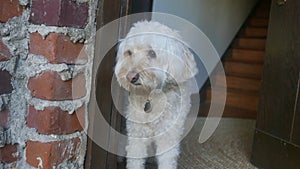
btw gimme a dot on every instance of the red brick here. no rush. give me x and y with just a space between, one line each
57 48
53 120
9 9
4 117
52 153
74 14
59 13
45 12
49 86
4 51
5 82
8 153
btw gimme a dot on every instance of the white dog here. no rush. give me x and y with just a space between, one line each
155 66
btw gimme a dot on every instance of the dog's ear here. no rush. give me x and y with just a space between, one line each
182 66
190 69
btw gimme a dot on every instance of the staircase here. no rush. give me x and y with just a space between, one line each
243 64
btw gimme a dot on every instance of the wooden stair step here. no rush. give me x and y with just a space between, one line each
266 5
228 112
244 55
259 22
255 32
238 83
236 99
243 69
262 13
251 43
243 66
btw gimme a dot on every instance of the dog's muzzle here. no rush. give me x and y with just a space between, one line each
133 77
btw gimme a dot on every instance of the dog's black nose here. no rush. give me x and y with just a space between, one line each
133 77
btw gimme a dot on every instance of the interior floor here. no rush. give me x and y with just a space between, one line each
228 148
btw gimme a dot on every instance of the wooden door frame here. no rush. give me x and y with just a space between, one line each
108 10
96 157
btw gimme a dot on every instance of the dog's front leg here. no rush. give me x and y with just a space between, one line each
135 163
168 160
136 153
168 149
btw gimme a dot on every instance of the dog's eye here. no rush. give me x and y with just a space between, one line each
152 54
127 53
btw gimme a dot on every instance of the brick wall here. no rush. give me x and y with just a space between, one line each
44 87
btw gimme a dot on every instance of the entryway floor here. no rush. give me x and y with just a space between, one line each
228 148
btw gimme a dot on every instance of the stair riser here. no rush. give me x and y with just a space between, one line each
262 12
243 67
248 102
255 32
244 70
259 22
229 112
238 83
255 44
247 56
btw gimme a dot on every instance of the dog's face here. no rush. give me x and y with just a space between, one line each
152 55
139 66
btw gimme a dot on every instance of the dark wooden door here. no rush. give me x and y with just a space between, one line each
277 136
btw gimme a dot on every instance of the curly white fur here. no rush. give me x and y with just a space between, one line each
155 66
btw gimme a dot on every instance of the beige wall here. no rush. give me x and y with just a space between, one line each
219 20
